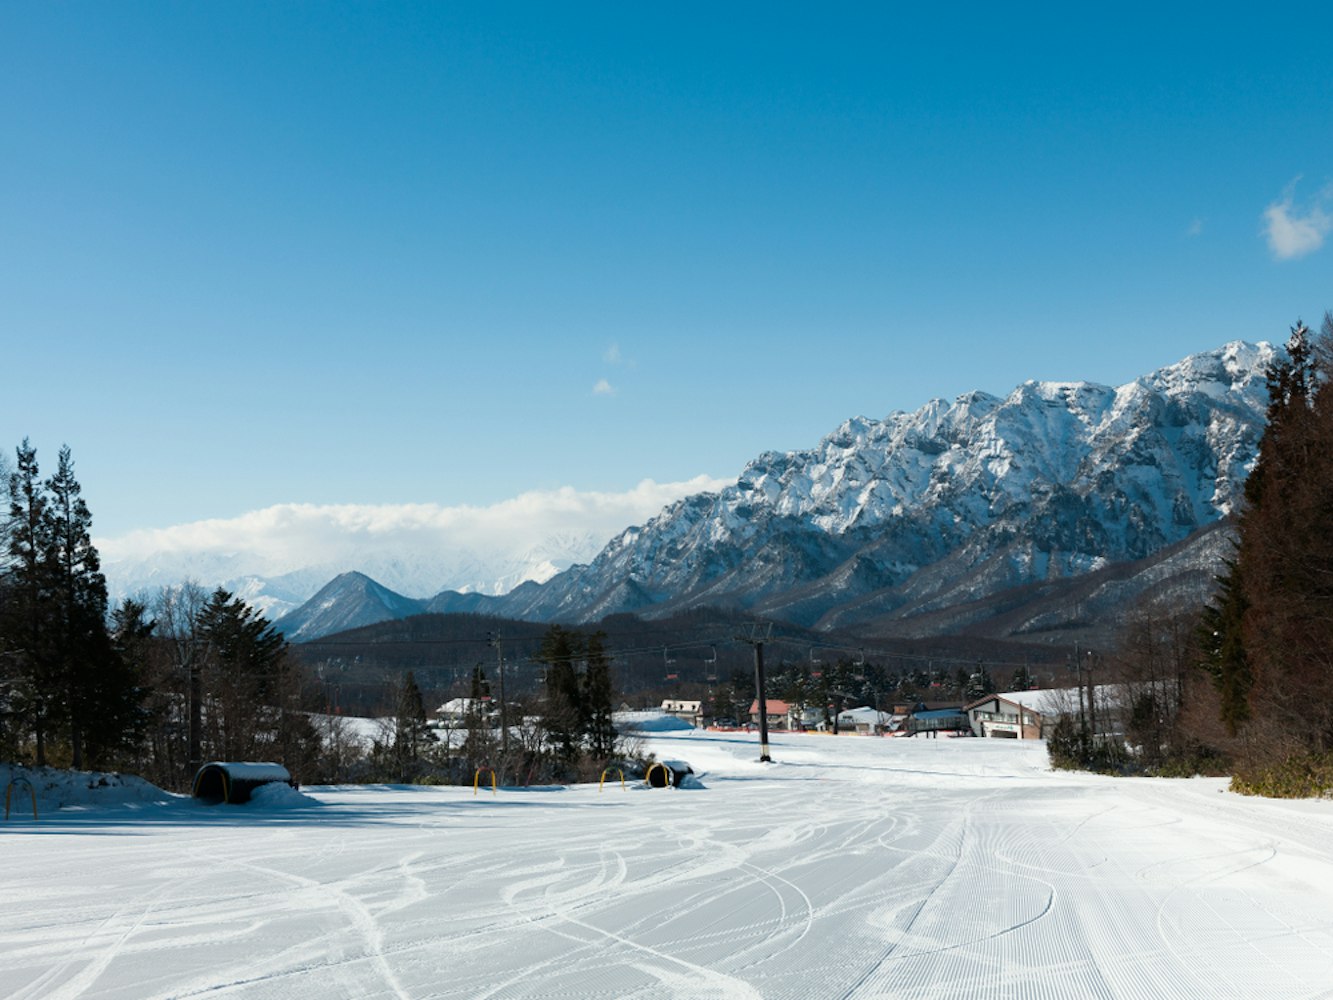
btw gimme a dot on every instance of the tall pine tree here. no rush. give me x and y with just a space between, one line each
598 692
1268 637
71 685
1222 642
248 679
412 731
83 662
27 603
120 724
563 707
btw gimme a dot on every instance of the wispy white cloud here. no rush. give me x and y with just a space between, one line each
1295 230
416 549
1195 228
615 357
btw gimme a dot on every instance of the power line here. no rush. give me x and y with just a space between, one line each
861 652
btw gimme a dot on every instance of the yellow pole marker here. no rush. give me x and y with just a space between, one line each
604 773
9 793
476 781
649 776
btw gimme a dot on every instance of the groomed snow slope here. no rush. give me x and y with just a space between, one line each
851 867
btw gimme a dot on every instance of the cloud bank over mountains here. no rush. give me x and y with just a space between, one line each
279 556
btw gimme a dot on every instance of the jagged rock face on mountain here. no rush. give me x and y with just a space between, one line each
951 502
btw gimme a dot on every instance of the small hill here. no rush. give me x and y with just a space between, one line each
348 601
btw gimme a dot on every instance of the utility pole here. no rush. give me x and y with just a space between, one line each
1092 701
195 724
1082 716
494 638
757 640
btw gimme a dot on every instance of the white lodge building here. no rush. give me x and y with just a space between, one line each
1006 716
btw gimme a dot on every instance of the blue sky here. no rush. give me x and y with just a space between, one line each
443 253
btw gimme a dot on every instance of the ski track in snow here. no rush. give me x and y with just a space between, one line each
852 868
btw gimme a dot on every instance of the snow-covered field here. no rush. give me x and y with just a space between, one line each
851 867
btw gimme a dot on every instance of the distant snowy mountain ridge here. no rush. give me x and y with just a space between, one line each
277 585
889 525
278 557
901 516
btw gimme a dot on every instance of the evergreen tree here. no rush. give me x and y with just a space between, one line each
83 663
115 714
120 724
478 744
412 732
248 679
1022 679
54 622
795 686
563 710
979 684
27 601
1287 549
1268 636
1223 648
598 692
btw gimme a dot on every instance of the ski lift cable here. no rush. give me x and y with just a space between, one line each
861 652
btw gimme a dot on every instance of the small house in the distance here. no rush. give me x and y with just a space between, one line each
779 713
687 711
458 711
866 720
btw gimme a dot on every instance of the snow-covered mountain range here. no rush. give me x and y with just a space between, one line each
279 557
404 561
890 521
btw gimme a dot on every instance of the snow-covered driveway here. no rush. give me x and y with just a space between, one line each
851 867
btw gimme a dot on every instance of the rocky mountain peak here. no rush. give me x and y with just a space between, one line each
889 520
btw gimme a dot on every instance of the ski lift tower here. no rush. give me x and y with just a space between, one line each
493 638
759 634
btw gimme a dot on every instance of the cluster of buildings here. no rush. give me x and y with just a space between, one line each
1024 715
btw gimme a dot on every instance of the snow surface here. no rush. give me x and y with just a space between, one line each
851 867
